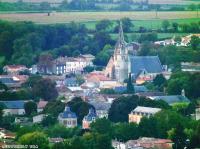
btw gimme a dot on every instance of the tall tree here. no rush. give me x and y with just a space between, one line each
130 86
46 89
30 107
35 138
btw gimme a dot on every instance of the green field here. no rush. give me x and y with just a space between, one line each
161 36
153 24
66 17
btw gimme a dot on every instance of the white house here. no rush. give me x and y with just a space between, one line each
139 112
13 107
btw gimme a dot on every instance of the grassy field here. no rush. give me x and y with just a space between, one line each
149 24
65 17
135 36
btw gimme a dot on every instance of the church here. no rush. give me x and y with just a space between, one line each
125 61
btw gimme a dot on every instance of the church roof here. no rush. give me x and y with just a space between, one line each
151 64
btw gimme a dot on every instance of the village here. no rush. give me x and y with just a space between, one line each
126 74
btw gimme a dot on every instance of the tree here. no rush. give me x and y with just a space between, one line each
2 106
103 25
35 138
54 108
103 56
178 136
159 81
175 26
196 137
149 127
80 107
130 86
195 42
45 63
165 25
30 107
46 89
103 141
101 126
121 107
49 120
126 131
127 24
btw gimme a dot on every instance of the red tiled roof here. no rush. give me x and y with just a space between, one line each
42 104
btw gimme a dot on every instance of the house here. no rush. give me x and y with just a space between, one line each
68 118
139 112
190 67
185 41
14 107
76 65
13 81
197 113
21 120
100 80
166 42
149 143
71 81
59 65
41 105
101 108
38 118
14 69
88 57
89 118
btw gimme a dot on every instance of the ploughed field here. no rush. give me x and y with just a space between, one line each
65 17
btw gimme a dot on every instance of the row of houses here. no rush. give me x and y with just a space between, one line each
143 143
64 65
185 41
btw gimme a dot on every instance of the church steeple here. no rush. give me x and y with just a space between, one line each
120 40
120 45
121 34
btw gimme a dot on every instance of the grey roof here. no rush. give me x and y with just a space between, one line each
100 105
146 110
71 81
151 64
138 89
172 98
17 104
91 115
67 113
7 81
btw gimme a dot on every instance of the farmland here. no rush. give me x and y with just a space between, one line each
65 17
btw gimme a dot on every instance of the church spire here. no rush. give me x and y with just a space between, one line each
121 34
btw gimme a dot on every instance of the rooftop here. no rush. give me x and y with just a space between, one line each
171 99
146 110
67 113
151 64
17 104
